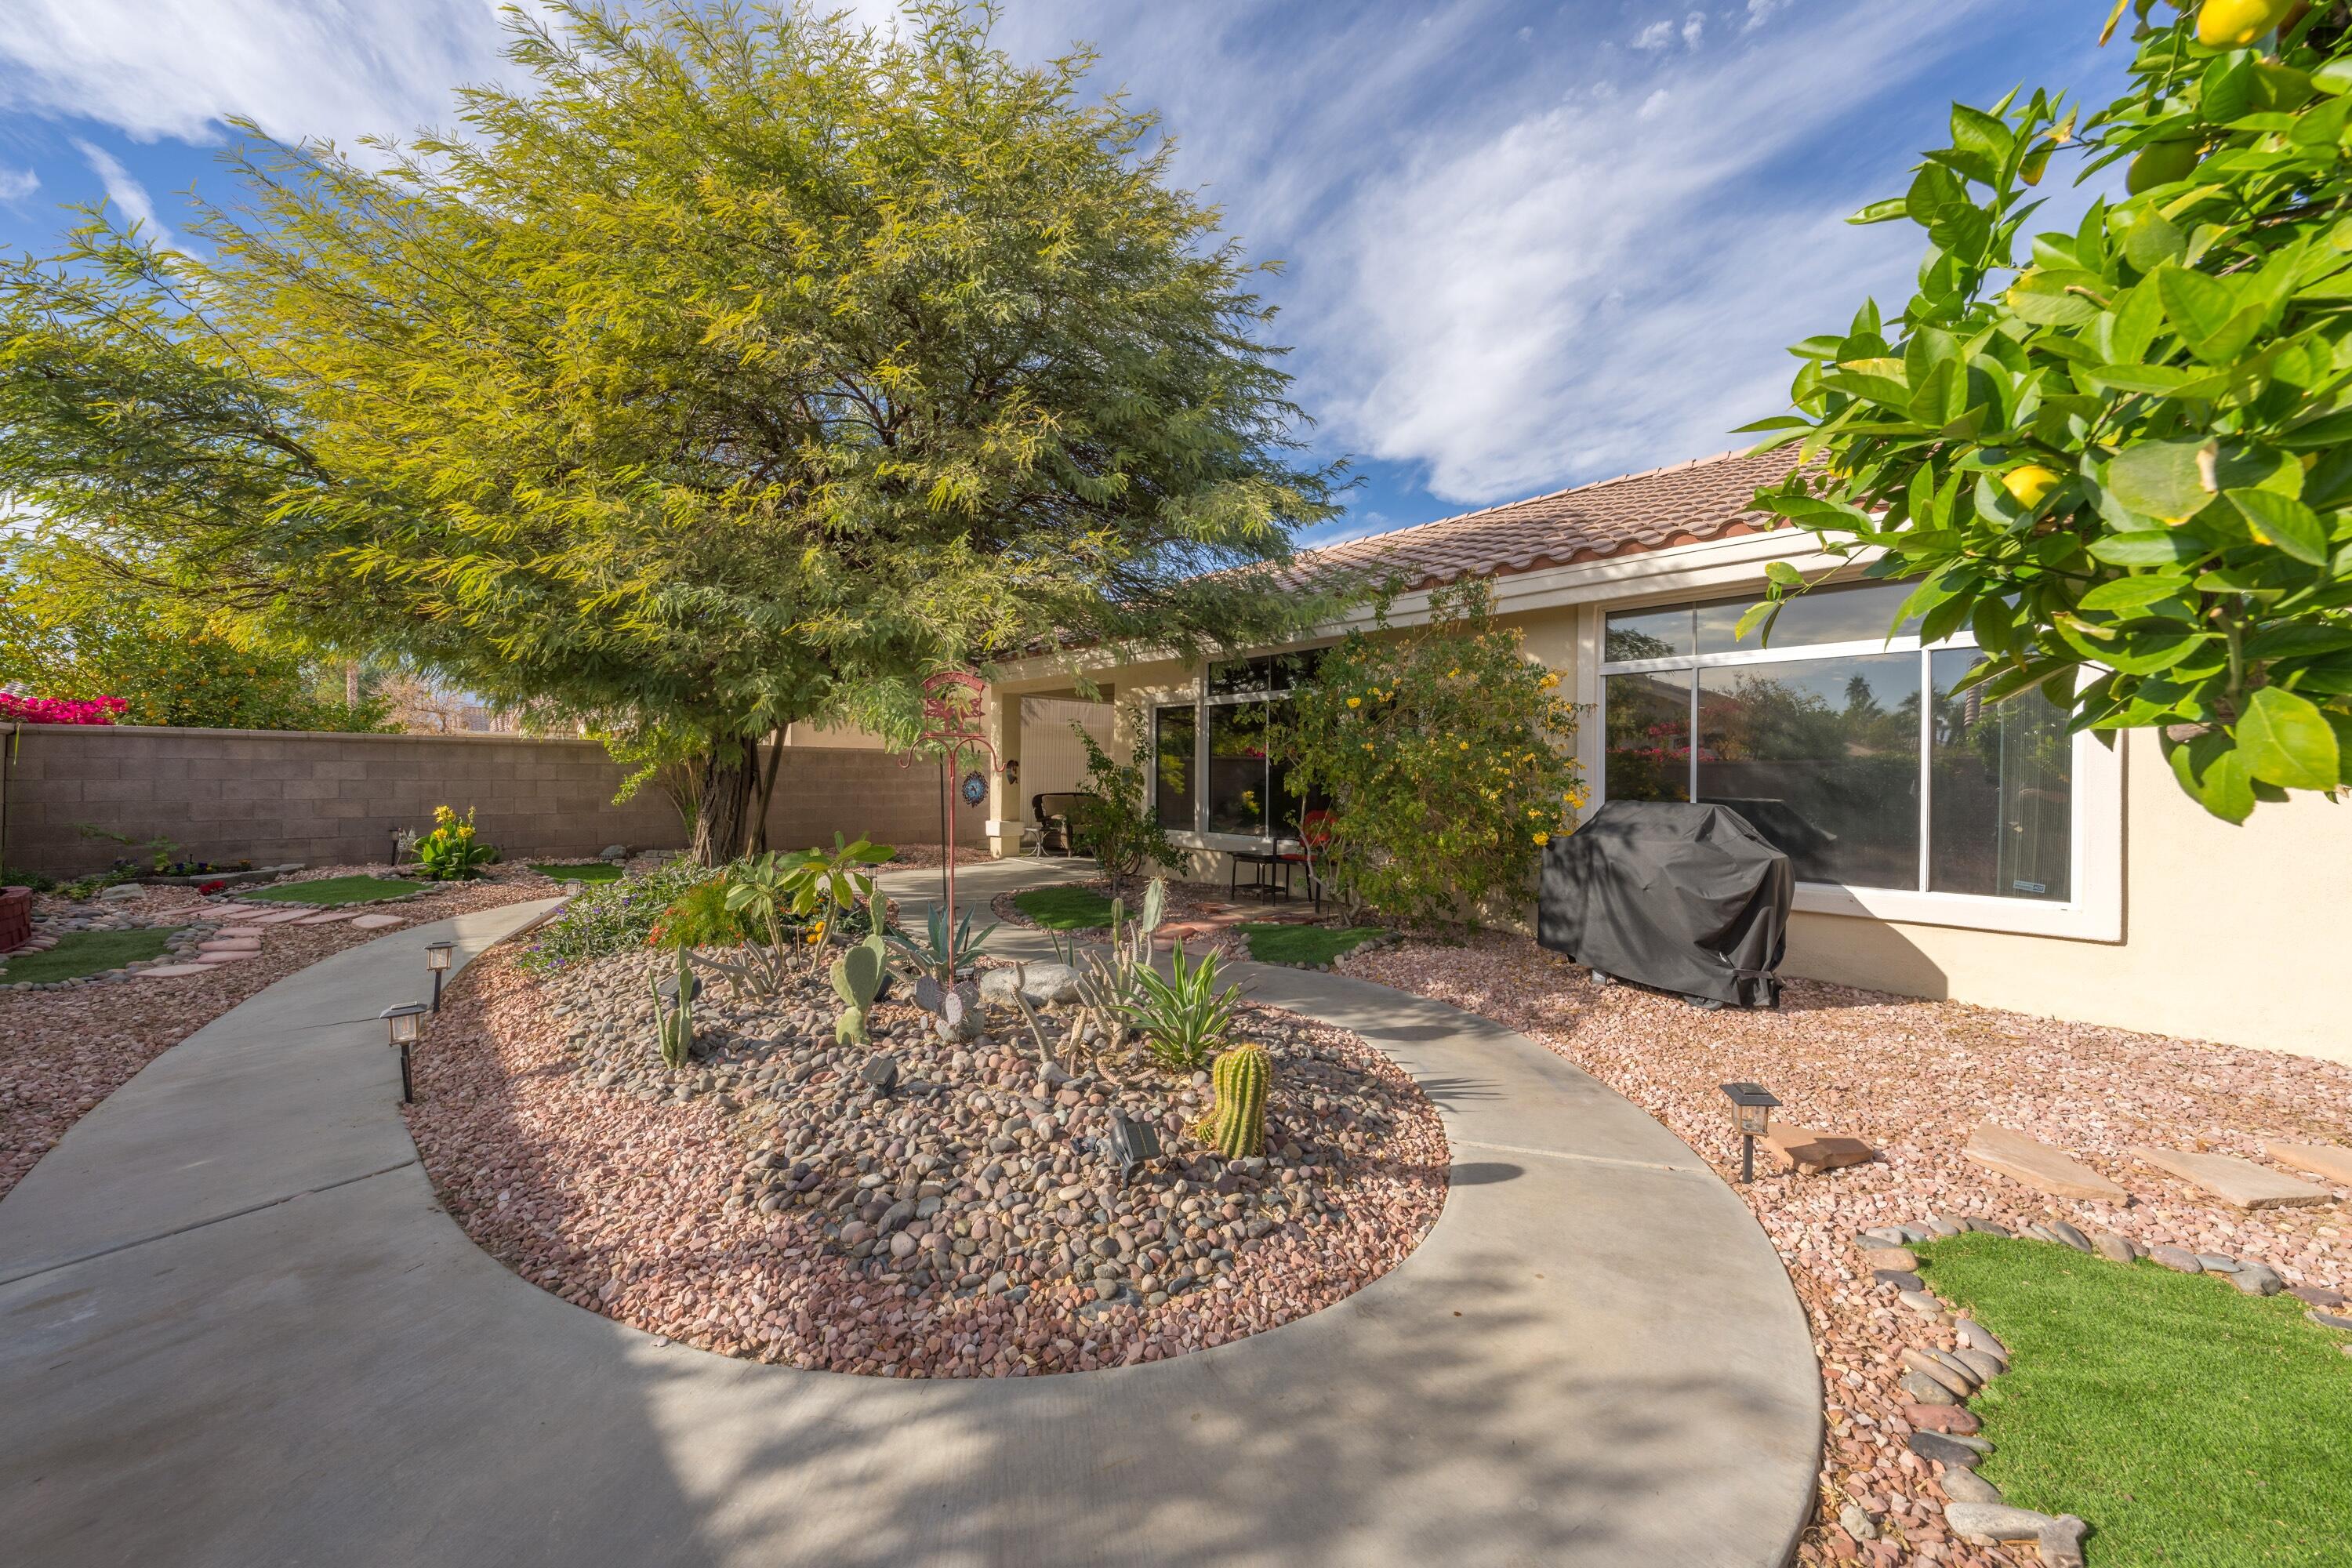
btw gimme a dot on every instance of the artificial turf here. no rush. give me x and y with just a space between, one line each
332 890
1065 908
1305 944
80 953
594 871
2193 1427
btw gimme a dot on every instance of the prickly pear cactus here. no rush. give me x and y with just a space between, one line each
856 980
1235 1125
674 1029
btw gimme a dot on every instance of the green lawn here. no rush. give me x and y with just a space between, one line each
80 953
1065 908
2192 1427
594 871
1305 944
332 890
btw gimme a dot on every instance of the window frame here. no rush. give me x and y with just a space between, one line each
1194 693
2094 911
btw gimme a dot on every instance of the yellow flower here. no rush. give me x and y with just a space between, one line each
1452 674
1368 746
1465 745
1547 682
1543 838
1355 702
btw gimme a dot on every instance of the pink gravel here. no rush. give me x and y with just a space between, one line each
1913 1077
61 1052
620 1205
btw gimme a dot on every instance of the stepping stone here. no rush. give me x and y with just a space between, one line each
1808 1153
2232 1180
279 917
2328 1162
236 930
326 917
174 971
238 955
377 922
2036 1164
249 943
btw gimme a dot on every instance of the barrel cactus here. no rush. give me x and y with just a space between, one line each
1235 1125
857 980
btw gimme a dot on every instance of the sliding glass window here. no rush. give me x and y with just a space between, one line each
1843 744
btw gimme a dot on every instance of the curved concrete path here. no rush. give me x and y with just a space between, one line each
236 1330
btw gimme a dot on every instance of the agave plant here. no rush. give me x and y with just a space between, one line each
940 957
1184 1018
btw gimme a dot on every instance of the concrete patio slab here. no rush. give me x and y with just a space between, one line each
234 1327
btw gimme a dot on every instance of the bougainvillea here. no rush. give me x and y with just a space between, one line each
16 710
1435 765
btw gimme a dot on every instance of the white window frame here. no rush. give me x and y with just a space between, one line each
1195 694
2094 911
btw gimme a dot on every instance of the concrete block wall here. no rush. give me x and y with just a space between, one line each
326 799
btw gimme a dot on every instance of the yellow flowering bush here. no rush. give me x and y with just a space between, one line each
451 852
1435 764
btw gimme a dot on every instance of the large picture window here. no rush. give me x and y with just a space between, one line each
1215 771
1843 746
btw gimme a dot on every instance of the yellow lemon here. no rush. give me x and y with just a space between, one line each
2160 165
2234 24
2027 486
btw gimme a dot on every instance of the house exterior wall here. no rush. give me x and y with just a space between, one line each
326 799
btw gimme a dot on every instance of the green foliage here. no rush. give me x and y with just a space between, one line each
332 892
69 627
19 877
857 980
1184 1017
82 953
1065 908
1235 1125
2122 455
827 884
1301 944
700 916
736 366
936 955
1114 820
615 917
161 851
674 1027
2187 1423
1445 756
451 852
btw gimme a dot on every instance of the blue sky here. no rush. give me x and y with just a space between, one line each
1526 246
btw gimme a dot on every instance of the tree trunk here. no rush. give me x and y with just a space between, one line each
759 844
722 816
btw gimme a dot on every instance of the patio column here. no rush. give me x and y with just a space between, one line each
1007 805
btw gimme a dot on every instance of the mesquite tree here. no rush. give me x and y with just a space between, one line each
2121 454
739 369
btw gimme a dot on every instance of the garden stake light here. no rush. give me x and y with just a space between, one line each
404 1024
1132 1142
436 959
1751 1111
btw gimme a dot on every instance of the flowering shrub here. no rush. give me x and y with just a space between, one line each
59 710
606 918
1435 765
450 852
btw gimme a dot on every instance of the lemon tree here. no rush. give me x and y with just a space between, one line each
2121 454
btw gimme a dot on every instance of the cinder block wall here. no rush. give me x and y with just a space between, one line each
271 796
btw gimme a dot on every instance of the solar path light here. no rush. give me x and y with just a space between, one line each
436 959
1751 1112
404 1024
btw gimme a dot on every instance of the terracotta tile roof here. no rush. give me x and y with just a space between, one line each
1707 498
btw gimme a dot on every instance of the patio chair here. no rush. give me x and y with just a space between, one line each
1315 834
1057 832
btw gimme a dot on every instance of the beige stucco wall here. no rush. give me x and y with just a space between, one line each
2231 934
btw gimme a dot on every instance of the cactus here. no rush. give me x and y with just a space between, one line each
1235 1125
857 980
674 1029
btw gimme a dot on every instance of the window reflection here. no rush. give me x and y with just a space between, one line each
1648 634
1821 755
1238 794
1173 730
1649 736
2001 783
1855 612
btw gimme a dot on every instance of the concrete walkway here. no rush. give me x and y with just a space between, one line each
236 1330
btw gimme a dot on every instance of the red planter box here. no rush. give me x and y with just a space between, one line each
16 917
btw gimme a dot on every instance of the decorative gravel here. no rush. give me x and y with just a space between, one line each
1913 1077
62 1051
769 1202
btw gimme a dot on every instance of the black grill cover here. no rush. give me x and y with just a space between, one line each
1689 899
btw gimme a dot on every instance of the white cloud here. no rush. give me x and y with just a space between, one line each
125 192
1656 36
15 184
1760 12
1693 25
1654 105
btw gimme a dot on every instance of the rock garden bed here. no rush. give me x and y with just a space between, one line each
1914 1080
920 1207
